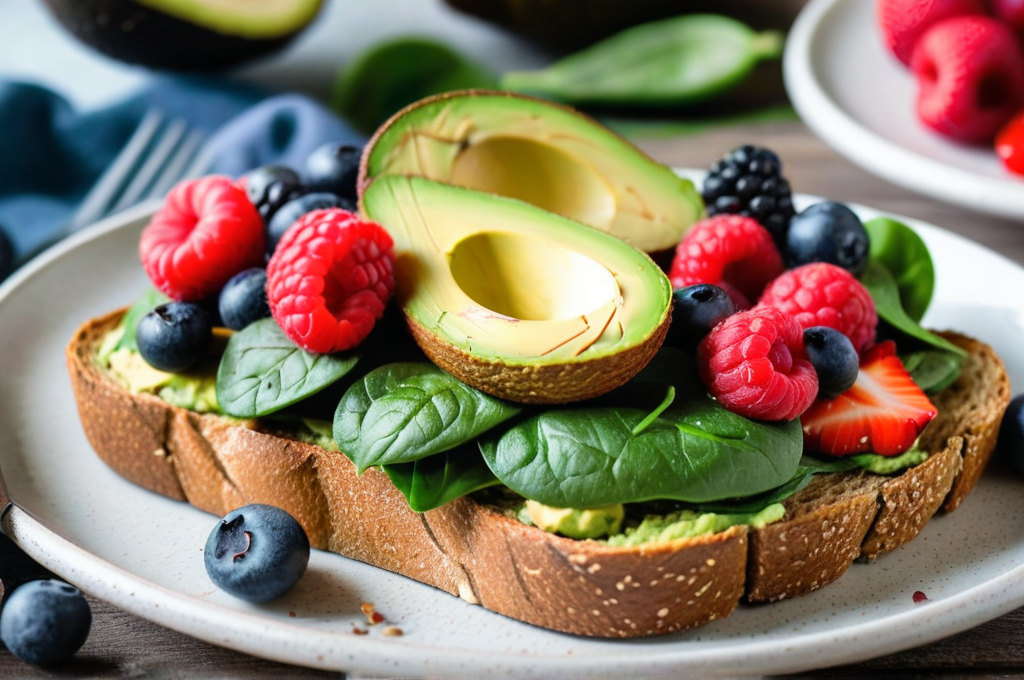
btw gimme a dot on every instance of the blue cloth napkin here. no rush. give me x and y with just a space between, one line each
51 155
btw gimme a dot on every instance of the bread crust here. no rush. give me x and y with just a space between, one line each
473 551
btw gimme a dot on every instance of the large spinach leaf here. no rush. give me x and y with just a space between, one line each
263 371
905 255
431 482
401 412
696 451
931 372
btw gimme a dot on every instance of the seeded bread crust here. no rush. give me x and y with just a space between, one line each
475 552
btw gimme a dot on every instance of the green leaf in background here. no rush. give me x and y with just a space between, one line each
431 482
671 62
911 336
658 128
905 255
262 371
402 412
387 77
143 306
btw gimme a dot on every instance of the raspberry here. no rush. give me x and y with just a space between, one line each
903 22
329 280
729 251
1010 12
206 232
970 71
822 294
754 363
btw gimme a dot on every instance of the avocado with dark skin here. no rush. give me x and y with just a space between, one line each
184 35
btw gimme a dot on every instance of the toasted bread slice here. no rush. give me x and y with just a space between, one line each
473 550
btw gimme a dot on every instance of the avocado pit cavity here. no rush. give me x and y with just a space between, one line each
529 277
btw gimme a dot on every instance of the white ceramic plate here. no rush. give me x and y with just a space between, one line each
143 553
858 98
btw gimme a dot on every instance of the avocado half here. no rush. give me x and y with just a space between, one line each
545 154
189 35
516 301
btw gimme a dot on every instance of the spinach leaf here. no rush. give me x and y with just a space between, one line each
401 412
932 369
696 451
674 61
431 482
387 77
143 306
911 336
905 255
758 503
263 371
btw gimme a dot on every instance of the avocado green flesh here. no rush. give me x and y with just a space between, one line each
573 523
251 19
505 280
689 524
195 390
552 157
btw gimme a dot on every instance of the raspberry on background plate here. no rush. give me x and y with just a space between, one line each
903 22
970 75
329 280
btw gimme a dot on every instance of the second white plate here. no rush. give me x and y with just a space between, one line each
854 95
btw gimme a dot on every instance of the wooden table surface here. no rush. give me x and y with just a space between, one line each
122 645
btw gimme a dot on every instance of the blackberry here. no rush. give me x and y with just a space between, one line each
748 181
270 187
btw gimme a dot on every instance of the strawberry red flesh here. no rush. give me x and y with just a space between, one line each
884 411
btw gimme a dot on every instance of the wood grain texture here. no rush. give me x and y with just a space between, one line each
122 645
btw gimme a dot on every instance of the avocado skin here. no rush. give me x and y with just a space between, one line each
136 34
565 26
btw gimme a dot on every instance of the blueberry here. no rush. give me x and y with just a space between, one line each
1011 435
45 622
296 208
696 310
257 553
834 360
334 168
270 187
6 255
827 232
244 299
174 335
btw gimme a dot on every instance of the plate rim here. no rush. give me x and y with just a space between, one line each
872 638
872 152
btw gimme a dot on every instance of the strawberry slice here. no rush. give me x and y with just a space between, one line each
883 412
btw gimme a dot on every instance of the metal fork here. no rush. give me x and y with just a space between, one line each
159 154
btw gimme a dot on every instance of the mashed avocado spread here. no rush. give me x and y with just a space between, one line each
194 390
654 529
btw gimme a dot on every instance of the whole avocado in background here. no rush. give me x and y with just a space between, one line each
567 26
184 35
